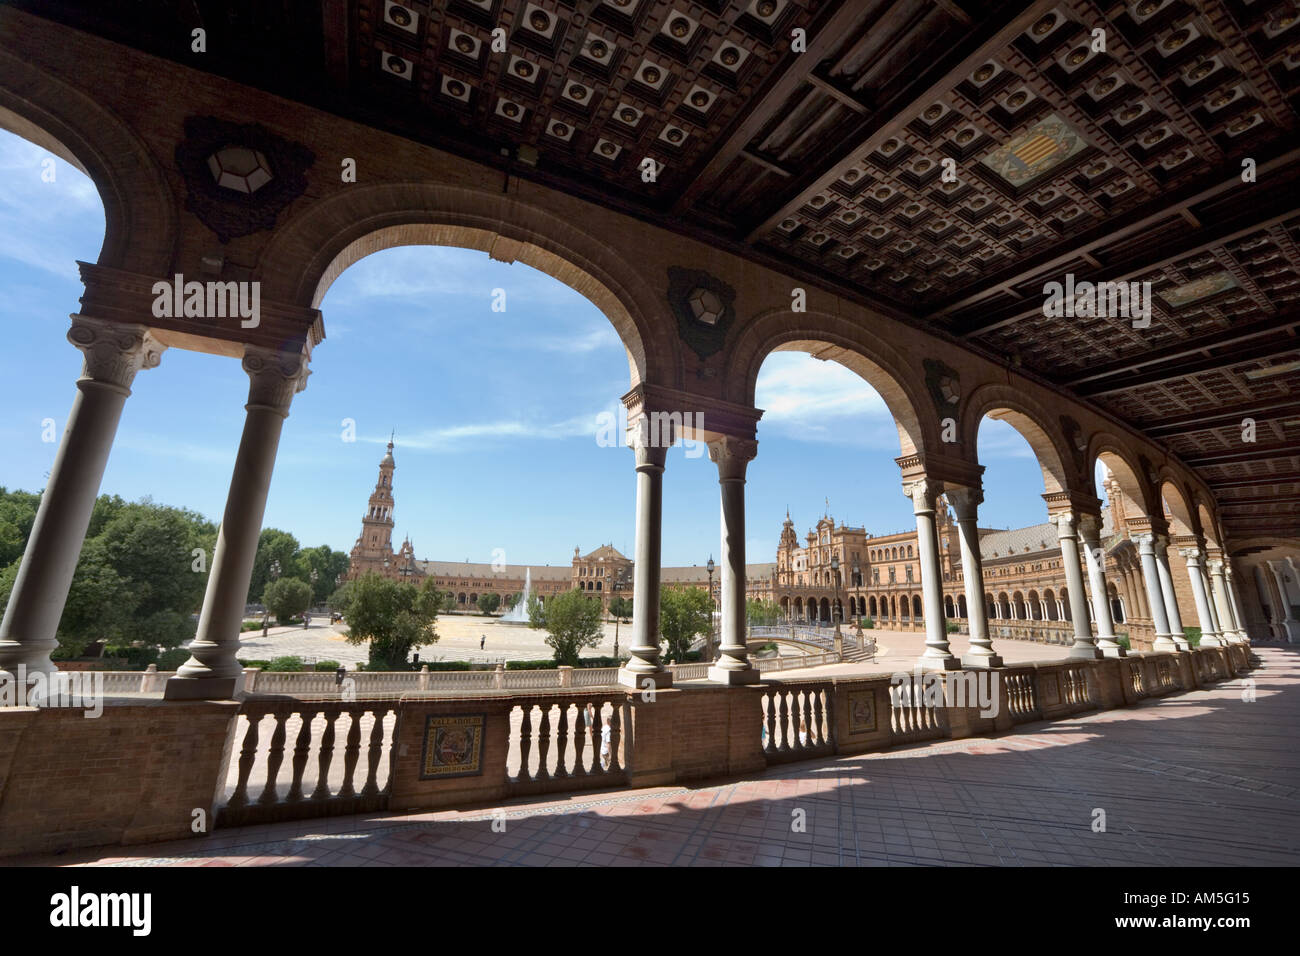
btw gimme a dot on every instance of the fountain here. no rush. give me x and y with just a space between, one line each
519 613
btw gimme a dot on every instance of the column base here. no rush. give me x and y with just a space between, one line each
1213 640
1112 650
981 660
722 675
1164 642
662 678
204 688
1087 652
948 663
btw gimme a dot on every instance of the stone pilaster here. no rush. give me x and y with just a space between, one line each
965 505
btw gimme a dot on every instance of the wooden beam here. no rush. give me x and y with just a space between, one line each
1256 481
1220 417
1247 453
1251 352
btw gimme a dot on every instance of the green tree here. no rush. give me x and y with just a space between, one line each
763 613
17 515
683 614
572 622
101 604
395 617
274 545
487 603
287 598
620 608
329 565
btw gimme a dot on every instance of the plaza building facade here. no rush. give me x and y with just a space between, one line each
602 574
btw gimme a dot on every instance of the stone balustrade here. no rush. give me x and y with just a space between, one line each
271 757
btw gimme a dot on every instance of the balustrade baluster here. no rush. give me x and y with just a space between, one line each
525 741
274 757
562 742
769 721
246 758
301 748
375 752
351 753
817 721
544 742
322 791
783 721
615 736
580 734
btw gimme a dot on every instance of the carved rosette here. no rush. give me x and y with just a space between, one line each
732 456
113 351
274 376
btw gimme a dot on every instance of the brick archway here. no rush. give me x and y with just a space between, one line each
311 250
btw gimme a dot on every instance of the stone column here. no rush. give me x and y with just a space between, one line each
1085 644
1264 591
1090 535
1239 634
937 653
1219 594
1209 636
965 505
1290 626
1209 597
212 672
732 456
113 353
1155 598
651 454
1167 594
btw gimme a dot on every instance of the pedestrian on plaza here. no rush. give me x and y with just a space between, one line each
481 641
306 619
605 733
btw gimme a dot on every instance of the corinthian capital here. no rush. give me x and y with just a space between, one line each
274 376
732 455
965 501
1067 524
114 351
923 493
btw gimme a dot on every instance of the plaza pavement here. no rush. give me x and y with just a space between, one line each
1201 778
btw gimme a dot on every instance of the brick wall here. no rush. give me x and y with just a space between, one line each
135 774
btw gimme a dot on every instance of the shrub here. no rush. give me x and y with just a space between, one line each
1123 641
260 664
327 665
868 624
135 656
950 627
1193 635
172 658
286 664
287 598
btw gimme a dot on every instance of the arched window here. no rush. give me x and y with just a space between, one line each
916 607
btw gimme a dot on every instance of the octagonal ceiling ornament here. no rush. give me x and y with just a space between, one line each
944 384
239 177
704 307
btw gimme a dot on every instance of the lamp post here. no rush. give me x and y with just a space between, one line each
708 654
837 612
315 576
266 611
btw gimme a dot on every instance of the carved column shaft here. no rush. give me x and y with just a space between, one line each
114 353
937 652
732 456
965 506
651 453
1167 593
1209 634
212 672
1095 558
1067 531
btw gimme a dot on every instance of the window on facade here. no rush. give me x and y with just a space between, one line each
909 574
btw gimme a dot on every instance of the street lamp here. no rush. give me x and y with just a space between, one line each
837 611
266 612
713 608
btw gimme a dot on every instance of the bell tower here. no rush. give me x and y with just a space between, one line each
376 540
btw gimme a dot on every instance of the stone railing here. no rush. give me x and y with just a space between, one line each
792 662
281 757
797 720
1043 632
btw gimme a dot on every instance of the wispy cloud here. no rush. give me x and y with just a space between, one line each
806 399
46 225
999 439
478 435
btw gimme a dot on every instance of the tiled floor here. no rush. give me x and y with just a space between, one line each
1202 778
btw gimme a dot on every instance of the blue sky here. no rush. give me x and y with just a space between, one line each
495 412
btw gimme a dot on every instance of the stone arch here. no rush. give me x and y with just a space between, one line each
961 607
140 217
1107 449
1183 519
1209 527
1035 608
852 345
311 250
916 607
949 609
1036 425
872 607
1049 598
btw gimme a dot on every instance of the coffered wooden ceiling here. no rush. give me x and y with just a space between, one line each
1117 164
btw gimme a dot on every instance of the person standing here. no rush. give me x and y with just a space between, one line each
482 641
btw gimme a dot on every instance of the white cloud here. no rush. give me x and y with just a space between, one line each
44 225
806 399
471 435
999 439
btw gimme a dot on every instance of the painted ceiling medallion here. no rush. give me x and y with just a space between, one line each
704 307
239 177
1040 149
1198 289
